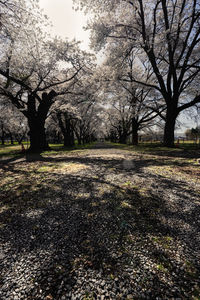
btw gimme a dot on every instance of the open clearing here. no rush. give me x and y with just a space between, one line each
101 223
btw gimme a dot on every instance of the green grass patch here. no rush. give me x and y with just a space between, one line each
60 148
164 241
9 151
161 268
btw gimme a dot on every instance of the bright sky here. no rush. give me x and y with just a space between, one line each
66 21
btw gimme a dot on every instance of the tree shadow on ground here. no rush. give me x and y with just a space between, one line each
95 231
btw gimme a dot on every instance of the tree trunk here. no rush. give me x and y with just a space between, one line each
135 138
169 128
79 133
68 134
37 134
36 120
134 132
11 138
19 140
68 139
2 135
2 140
122 139
79 140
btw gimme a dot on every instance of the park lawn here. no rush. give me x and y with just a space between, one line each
25 180
8 151
158 147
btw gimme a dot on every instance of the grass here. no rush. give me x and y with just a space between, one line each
156 146
185 150
9 151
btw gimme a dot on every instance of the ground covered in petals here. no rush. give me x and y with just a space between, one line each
100 223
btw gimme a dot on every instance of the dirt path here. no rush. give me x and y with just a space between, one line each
100 224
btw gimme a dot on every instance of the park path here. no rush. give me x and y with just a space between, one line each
100 223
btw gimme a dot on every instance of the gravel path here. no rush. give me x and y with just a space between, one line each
100 224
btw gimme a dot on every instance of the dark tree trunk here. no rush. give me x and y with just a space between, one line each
36 120
2 135
19 140
122 134
67 129
122 139
2 140
69 139
171 116
11 138
135 126
79 133
56 137
78 136
68 134
38 142
135 138
79 140
59 137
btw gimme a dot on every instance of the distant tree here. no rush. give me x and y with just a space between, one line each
119 120
193 133
188 134
53 132
66 116
144 107
13 124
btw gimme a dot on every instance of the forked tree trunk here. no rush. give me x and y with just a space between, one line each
79 133
36 120
67 130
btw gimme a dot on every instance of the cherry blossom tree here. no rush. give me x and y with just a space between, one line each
119 118
71 110
35 70
13 125
166 35
77 116
119 73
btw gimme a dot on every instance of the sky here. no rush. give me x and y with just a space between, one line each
66 21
